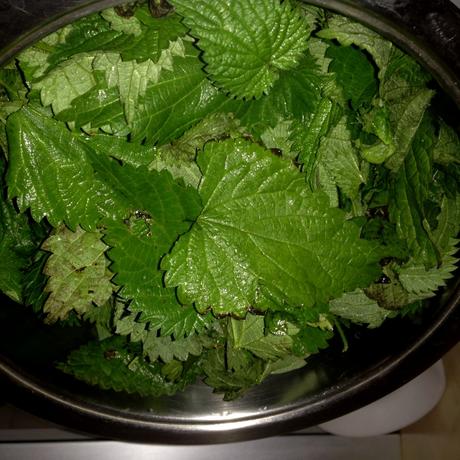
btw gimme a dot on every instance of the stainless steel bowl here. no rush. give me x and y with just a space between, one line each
332 384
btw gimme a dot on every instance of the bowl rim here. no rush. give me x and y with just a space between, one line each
30 393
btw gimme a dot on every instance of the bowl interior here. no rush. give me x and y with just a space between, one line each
331 384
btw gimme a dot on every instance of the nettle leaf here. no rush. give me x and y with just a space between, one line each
295 94
67 81
157 35
337 154
233 372
48 171
354 73
100 107
17 243
348 33
260 220
178 157
310 340
115 364
178 99
447 148
357 307
128 25
124 151
409 192
249 334
87 35
407 116
155 210
246 43
423 283
307 134
168 348
178 321
78 273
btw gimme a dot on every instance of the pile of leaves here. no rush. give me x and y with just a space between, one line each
220 187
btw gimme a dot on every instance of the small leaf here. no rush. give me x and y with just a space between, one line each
78 273
168 348
67 81
357 307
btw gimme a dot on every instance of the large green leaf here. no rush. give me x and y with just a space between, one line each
246 42
49 172
263 235
157 211
78 273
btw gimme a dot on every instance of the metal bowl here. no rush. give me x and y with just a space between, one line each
333 383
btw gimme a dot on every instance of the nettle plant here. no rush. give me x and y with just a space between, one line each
220 189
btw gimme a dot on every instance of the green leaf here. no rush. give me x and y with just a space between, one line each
49 172
126 152
447 148
310 340
294 95
423 283
114 364
128 25
101 316
357 307
178 99
158 211
233 372
246 43
354 73
307 135
100 107
410 190
249 334
178 157
34 282
337 154
168 348
407 117
78 273
175 320
260 226
67 81
35 61
279 138
132 78
348 33
157 35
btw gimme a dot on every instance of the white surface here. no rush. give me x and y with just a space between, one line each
313 447
396 410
